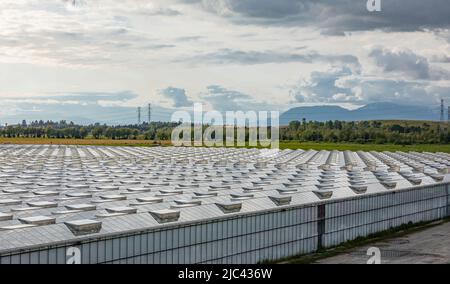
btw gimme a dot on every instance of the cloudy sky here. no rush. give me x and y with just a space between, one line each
98 59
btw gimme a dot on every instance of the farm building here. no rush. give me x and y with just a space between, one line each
86 204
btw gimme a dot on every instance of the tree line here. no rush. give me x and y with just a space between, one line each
376 132
63 129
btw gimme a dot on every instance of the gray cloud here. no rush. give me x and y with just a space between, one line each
189 38
177 96
408 63
230 56
223 99
343 86
323 87
335 17
441 58
405 61
140 8
76 98
95 96
81 33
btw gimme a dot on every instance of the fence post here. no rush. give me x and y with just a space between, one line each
320 225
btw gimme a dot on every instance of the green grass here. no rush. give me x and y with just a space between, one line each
365 147
283 144
87 141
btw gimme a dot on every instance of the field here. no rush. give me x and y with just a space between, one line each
93 142
283 144
365 147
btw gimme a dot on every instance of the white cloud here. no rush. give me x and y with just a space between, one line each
263 52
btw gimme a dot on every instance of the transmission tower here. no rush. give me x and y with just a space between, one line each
139 115
448 114
149 113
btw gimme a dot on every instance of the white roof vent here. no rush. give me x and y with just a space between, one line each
84 227
122 209
419 168
358 188
114 197
389 184
38 220
241 196
437 177
77 186
15 190
202 180
204 194
165 215
79 195
237 178
297 179
138 189
414 180
240 164
158 183
268 178
128 182
46 193
81 207
281 166
43 204
5 216
10 202
250 189
281 200
229 207
48 184
187 185
148 200
265 182
323 193
221 163
77 179
230 182
107 187
103 180
185 203
168 192
22 183
293 184
260 165
325 186
287 190
357 180
219 187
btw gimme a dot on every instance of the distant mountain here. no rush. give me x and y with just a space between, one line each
374 111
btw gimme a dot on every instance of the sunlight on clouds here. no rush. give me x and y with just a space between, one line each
225 53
